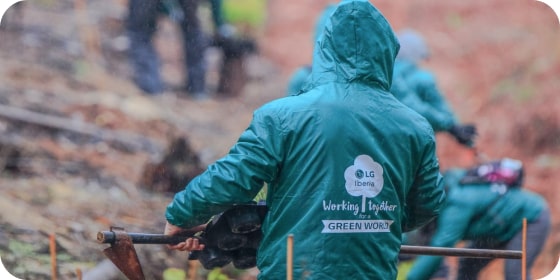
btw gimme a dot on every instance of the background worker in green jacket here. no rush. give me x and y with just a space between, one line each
413 85
417 88
348 167
486 206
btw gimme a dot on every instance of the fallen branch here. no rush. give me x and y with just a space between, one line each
129 141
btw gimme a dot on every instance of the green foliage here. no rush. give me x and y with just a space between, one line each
217 274
454 20
548 161
174 274
261 196
403 269
26 258
518 90
46 3
252 12
20 249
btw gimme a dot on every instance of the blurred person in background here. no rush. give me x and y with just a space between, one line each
141 25
485 206
337 178
413 85
417 88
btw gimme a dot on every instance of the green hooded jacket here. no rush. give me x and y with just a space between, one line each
417 88
348 167
477 212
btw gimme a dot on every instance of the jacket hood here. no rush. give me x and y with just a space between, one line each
357 45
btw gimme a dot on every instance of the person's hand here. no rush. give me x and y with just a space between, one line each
464 134
190 243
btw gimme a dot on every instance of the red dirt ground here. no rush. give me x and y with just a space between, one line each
497 61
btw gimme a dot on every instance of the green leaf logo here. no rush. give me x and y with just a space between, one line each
364 178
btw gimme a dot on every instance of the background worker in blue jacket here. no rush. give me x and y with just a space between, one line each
348 167
141 26
486 206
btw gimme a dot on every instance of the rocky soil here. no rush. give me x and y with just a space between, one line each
79 166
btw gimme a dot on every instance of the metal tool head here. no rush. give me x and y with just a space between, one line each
123 255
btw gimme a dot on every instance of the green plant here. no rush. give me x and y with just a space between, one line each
217 274
174 274
261 196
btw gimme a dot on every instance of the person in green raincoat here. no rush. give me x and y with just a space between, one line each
348 167
417 88
413 85
486 206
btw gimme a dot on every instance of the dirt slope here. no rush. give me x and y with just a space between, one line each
496 61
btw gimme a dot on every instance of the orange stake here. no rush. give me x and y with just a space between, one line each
52 249
78 274
524 251
289 257
193 269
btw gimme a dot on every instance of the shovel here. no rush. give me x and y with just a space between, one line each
232 235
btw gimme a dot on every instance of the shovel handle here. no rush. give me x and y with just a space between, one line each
143 238
461 252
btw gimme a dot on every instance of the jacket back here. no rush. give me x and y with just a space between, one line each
347 166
